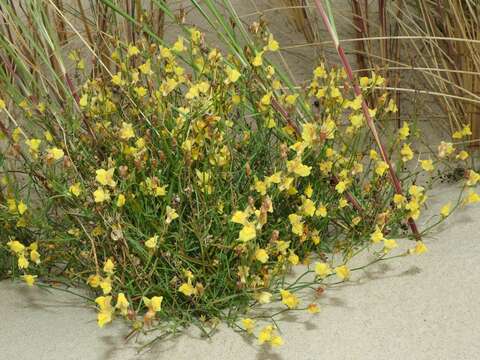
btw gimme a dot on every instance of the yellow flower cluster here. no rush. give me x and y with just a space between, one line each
206 183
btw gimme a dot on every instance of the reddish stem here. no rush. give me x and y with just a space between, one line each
346 64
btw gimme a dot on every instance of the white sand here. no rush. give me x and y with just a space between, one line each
422 307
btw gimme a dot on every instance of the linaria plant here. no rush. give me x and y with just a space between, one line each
185 185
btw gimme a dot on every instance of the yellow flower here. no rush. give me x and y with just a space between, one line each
308 207
295 166
154 304
193 92
48 136
232 74
265 334
203 87
328 128
389 244
335 92
321 211
404 131
122 304
12 206
472 198
141 91
377 235
293 258
257 60
381 167
264 297
416 191
240 217
171 215
457 135
364 81
75 189
473 178
249 325
109 266
261 255
308 191
168 86
121 200
419 248
248 232
145 68
427 165
55 153
187 289
289 299
291 99
104 316
309 133
272 44
117 79
94 280
100 195
22 208
462 155
22 262
341 186
466 130
132 50
33 145
261 187
445 210
342 272
276 341
106 285
29 279
275 178
195 35
161 190
83 100
266 99
356 104
178 45
356 120
461 133
297 224
313 308
322 269
16 134
406 152
152 242
2 104
34 254
392 107
126 132
105 177
276 84
16 246
319 72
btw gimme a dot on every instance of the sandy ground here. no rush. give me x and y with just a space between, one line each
418 307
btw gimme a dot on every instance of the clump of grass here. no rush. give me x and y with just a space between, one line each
184 185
